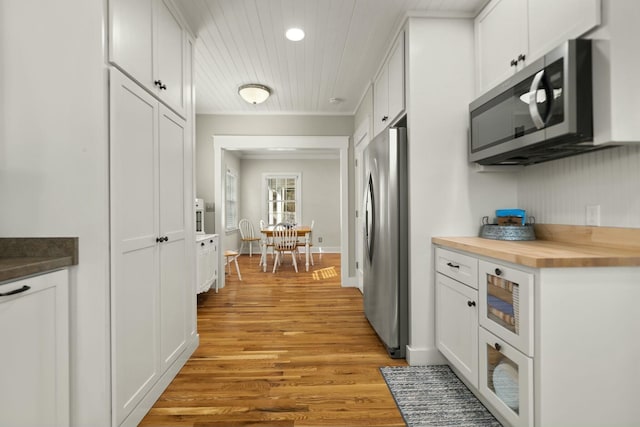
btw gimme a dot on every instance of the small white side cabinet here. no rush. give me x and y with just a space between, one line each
207 261
388 88
34 360
147 42
457 311
513 33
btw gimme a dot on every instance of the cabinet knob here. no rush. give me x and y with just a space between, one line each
498 272
202 244
514 63
157 83
166 238
452 265
163 87
471 303
497 346
522 57
384 118
159 239
210 241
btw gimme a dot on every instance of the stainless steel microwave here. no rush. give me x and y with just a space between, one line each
541 113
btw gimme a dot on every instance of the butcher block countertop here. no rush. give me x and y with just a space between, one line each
23 257
559 246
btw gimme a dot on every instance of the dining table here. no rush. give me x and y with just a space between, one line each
301 230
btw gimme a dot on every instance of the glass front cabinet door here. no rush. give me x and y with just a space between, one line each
506 304
506 379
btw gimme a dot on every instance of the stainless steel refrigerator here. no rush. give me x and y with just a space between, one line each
386 245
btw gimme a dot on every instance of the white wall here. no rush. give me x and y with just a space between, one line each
54 166
320 194
446 196
558 192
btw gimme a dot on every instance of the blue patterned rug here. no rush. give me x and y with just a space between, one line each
433 396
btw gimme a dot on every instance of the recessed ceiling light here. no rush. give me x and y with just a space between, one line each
295 34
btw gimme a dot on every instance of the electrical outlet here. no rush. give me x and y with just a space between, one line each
593 215
319 239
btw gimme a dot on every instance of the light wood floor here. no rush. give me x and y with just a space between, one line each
281 350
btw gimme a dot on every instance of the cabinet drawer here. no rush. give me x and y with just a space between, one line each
460 267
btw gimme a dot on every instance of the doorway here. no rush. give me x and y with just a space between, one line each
340 144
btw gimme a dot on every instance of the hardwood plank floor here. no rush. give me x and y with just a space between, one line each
285 349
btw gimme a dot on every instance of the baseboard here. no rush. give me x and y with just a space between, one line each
138 413
425 356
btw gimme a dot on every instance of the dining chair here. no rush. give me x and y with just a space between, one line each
285 239
247 235
265 240
302 243
232 256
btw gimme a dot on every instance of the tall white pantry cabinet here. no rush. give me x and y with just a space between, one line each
153 319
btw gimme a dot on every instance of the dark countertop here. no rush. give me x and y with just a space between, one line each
23 257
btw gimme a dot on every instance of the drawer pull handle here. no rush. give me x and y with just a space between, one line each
471 303
498 272
497 346
452 265
16 291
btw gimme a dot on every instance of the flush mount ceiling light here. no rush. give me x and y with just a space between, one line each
254 93
294 34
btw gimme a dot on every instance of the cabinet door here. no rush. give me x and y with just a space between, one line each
134 225
381 101
396 79
552 22
506 379
174 286
501 36
131 38
202 265
457 325
506 304
169 47
34 361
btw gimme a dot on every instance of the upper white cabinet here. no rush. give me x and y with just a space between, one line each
388 88
512 33
147 42
501 41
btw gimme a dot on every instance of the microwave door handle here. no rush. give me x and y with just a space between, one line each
533 100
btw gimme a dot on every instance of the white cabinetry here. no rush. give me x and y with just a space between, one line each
616 65
501 41
388 88
540 349
513 33
147 42
152 296
34 326
207 261
457 312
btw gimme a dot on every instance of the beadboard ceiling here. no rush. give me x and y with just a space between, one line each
242 41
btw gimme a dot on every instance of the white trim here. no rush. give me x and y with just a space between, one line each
424 356
240 142
361 140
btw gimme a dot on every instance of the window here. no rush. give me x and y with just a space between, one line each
231 201
283 198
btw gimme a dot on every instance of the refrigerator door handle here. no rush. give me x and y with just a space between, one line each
370 218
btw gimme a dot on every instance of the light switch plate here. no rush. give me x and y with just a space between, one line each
593 215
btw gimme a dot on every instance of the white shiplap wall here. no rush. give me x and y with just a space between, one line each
558 192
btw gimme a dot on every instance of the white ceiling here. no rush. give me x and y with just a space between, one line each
242 41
